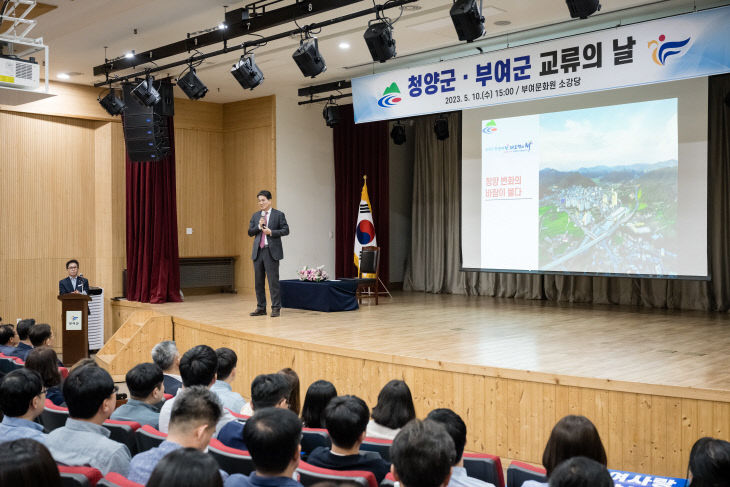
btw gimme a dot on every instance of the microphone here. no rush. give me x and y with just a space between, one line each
263 215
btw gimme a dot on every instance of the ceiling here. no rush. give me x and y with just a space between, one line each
77 32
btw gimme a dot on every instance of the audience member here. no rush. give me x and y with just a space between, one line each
166 356
144 382
192 424
22 399
227 361
8 340
393 410
198 367
44 360
23 328
709 463
581 472
456 428
572 436
293 399
346 418
267 390
41 335
272 436
83 363
186 467
422 455
27 463
317 398
91 396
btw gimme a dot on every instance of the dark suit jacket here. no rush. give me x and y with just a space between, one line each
65 286
279 228
171 384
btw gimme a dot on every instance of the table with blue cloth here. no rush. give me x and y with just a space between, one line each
319 296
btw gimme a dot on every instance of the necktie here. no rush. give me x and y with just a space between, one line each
263 235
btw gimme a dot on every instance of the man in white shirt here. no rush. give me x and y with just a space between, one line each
198 367
456 428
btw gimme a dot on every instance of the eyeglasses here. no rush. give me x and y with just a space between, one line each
43 392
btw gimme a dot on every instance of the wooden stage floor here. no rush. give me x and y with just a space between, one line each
653 381
615 348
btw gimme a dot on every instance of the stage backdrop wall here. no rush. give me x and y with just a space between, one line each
305 185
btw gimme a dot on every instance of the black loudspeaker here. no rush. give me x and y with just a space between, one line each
583 8
331 115
145 128
308 58
468 22
379 38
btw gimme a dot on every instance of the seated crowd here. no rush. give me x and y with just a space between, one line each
202 405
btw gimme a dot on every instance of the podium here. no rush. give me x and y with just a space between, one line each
75 325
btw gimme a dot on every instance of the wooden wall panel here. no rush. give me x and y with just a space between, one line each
508 417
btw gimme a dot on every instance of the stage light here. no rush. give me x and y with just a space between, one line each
146 93
379 38
247 73
344 46
192 86
398 134
308 58
222 26
468 22
129 55
441 129
583 8
63 76
331 115
112 104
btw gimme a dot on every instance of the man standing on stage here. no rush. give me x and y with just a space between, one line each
267 226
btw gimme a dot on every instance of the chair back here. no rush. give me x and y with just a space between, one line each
310 475
123 432
114 479
388 481
369 260
79 476
53 416
378 445
230 459
484 467
7 365
313 438
520 472
148 437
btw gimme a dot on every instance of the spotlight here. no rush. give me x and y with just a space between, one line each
129 55
331 115
441 129
583 8
192 86
307 56
398 134
112 104
247 73
468 22
379 38
146 93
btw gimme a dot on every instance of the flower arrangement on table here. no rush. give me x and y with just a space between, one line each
317 274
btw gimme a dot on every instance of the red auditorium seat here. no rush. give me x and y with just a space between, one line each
484 467
519 472
238 415
168 396
230 459
310 475
63 371
313 438
113 479
7 364
79 476
147 438
53 416
123 432
388 481
379 445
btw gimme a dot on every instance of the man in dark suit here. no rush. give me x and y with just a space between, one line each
267 226
74 283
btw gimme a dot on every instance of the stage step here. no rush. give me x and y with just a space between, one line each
133 341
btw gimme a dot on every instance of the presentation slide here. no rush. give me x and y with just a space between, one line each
594 189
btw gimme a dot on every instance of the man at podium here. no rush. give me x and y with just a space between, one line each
74 283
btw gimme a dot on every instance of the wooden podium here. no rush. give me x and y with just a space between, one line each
75 326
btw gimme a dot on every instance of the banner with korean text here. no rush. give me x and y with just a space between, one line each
680 47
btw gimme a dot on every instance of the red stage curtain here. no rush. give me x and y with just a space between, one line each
360 149
153 270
